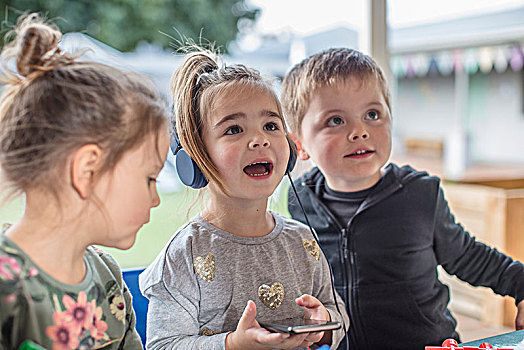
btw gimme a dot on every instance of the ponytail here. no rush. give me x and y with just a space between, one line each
187 85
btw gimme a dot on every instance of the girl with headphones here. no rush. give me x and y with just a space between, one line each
235 263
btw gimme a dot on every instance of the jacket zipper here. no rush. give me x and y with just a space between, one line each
344 244
348 256
344 259
351 294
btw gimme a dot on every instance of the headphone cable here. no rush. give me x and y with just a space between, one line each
329 264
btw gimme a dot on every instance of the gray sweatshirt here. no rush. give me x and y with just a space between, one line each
200 283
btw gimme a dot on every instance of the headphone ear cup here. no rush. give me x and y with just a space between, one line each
292 156
188 172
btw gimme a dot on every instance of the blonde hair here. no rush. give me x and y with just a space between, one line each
326 69
53 105
195 87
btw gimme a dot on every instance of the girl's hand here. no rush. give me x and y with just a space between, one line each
249 335
313 309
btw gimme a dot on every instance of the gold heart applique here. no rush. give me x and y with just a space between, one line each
312 248
272 296
209 332
205 267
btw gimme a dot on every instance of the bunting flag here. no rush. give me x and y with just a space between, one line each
471 60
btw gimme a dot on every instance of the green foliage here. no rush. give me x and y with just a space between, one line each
123 23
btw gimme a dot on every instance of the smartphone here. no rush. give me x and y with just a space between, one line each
299 325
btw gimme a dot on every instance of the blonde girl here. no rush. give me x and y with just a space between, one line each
235 262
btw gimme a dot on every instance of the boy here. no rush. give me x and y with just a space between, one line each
384 230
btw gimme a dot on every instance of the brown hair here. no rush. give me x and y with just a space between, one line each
326 69
195 86
55 105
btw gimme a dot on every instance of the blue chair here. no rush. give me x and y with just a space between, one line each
140 303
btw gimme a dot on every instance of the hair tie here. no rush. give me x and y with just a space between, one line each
197 87
49 54
201 77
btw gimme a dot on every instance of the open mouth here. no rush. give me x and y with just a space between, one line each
360 152
259 169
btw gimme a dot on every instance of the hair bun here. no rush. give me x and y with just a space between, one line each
36 44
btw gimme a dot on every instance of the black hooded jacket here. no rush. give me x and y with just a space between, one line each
385 259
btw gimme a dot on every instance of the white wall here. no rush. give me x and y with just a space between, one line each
496 118
424 109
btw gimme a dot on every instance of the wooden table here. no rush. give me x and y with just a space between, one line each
496 175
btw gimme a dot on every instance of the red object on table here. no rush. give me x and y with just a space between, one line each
451 344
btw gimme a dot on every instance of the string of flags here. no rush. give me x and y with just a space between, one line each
471 60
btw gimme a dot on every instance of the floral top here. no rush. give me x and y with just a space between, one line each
96 313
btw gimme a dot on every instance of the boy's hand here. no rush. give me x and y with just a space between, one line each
249 335
313 309
519 321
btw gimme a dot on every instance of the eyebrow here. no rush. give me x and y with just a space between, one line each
229 117
375 103
156 164
159 165
369 105
240 115
328 112
333 111
270 113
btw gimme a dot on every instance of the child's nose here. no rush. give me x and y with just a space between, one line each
156 199
357 134
259 141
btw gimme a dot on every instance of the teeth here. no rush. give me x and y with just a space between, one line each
260 163
360 152
267 172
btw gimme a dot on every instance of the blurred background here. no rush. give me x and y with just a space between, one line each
455 69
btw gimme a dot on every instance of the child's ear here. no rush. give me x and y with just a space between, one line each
302 154
84 164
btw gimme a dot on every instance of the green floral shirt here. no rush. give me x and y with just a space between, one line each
96 313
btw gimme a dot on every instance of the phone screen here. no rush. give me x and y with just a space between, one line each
299 325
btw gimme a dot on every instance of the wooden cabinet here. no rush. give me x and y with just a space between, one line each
495 216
